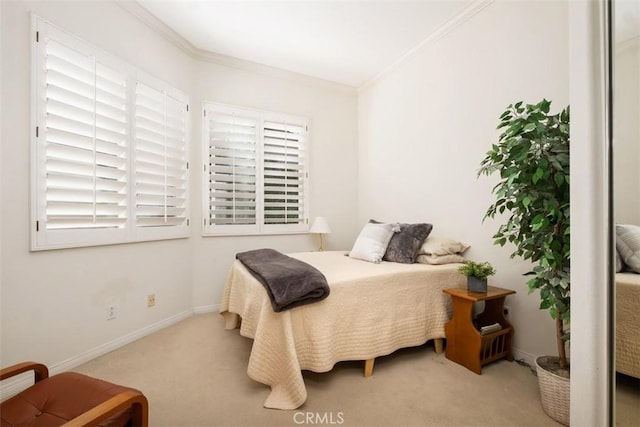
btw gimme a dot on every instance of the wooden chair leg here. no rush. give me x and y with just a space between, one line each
438 343
368 367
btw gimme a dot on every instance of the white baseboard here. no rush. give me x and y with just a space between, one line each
118 342
13 387
213 308
528 358
23 381
26 380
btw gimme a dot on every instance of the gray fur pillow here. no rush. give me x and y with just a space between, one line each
404 246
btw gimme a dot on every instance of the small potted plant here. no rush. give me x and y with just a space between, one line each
477 274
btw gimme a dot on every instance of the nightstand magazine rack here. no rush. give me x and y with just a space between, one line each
466 345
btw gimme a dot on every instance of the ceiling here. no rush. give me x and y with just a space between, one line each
348 42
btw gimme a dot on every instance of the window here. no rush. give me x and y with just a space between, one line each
109 151
256 171
160 158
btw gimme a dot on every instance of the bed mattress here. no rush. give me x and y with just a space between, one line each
628 324
373 310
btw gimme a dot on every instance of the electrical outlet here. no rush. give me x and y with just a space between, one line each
111 312
151 300
506 310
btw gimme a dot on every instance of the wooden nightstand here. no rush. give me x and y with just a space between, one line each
465 344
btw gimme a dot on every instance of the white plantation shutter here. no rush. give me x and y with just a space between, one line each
232 169
255 175
80 143
160 158
83 182
85 137
284 172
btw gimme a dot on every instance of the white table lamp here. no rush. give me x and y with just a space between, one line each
320 226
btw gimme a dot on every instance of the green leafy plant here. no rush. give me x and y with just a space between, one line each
532 159
480 270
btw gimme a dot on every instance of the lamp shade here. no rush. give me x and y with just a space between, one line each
320 225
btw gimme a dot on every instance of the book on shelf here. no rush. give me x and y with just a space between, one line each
488 329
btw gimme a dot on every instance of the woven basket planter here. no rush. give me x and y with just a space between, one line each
554 391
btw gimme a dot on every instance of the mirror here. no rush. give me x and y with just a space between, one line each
625 56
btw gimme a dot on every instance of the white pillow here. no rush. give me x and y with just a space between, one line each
442 246
628 245
372 242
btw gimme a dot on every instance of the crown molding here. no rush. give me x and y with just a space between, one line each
255 67
150 20
463 16
143 15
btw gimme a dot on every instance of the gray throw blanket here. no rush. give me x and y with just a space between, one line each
289 282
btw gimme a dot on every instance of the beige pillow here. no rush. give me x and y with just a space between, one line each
440 259
442 246
628 245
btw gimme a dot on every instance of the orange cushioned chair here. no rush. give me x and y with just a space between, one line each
71 399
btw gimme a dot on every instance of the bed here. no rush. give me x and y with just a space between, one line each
372 310
628 324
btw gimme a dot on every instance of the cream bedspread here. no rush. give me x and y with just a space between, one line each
628 324
373 310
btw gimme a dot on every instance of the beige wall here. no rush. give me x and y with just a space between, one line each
626 125
332 119
53 303
425 126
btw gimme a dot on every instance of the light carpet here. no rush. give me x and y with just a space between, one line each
194 374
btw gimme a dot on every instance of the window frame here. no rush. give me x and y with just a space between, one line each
43 238
260 227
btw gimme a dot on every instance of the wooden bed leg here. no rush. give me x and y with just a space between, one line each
368 367
438 343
